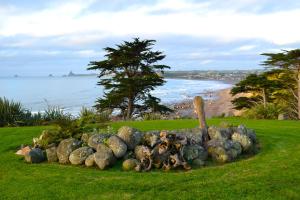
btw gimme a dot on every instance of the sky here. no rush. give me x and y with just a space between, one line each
54 37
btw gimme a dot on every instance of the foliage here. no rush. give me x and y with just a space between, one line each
54 114
11 113
91 116
270 111
259 87
129 73
271 174
289 61
152 116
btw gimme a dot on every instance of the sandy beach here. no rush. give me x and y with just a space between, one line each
219 103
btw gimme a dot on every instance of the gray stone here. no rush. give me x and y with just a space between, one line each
78 156
130 136
244 140
65 148
104 157
130 164
219 133
85 137
141 151
96 139
150 138
51 154
36 155
197 163
90 161
117 145
219 150
192 152
283 116
195 135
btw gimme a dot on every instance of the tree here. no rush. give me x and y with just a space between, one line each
288 60
129 73
260 88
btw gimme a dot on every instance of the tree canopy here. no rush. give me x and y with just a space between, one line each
129 72
290 62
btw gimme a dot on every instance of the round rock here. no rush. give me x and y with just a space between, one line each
65 148
36 155
51 154
104 157
78 156
130 136
130 164
117 145
96 139
89 161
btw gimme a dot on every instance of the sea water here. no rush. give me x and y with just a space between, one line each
72 93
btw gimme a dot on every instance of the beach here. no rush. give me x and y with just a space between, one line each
217 103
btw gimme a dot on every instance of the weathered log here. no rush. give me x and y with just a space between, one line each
199 108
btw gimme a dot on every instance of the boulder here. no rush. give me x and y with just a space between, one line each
195 135
130 164
150 138
117 145
90 161
78 156
96 139
283 116
244 140
192 152
130 136
23 150
197 163
219 150
219 133
104 157
65 148
141 151
51 154
85 137
36 155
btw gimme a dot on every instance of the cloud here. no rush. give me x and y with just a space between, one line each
246 48
187 18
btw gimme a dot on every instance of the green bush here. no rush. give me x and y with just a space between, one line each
55 114
11 113
271 111
152 116
91 116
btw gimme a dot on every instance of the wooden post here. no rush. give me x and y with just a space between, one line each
199 108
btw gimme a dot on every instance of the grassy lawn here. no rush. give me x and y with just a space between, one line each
272 174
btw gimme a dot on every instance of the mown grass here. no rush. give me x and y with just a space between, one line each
274 173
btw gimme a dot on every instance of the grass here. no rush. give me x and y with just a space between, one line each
272 174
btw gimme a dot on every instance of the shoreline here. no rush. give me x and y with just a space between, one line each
218 105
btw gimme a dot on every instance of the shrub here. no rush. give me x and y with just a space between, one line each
271 111
55 114
152 116
11 113
91 116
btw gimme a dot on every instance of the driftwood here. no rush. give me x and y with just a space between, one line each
166 154
199 109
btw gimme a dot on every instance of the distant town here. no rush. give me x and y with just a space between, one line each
231 76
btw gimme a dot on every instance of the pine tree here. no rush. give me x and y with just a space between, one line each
288 60
129 73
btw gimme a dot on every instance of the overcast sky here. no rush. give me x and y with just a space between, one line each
43 37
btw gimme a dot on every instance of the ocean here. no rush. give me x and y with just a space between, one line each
72 93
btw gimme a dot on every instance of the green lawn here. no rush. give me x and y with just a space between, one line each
272 174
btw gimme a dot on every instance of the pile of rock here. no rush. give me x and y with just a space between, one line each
154 149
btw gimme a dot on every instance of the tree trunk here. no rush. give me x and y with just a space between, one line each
298 81
199 108
129 108
264 97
